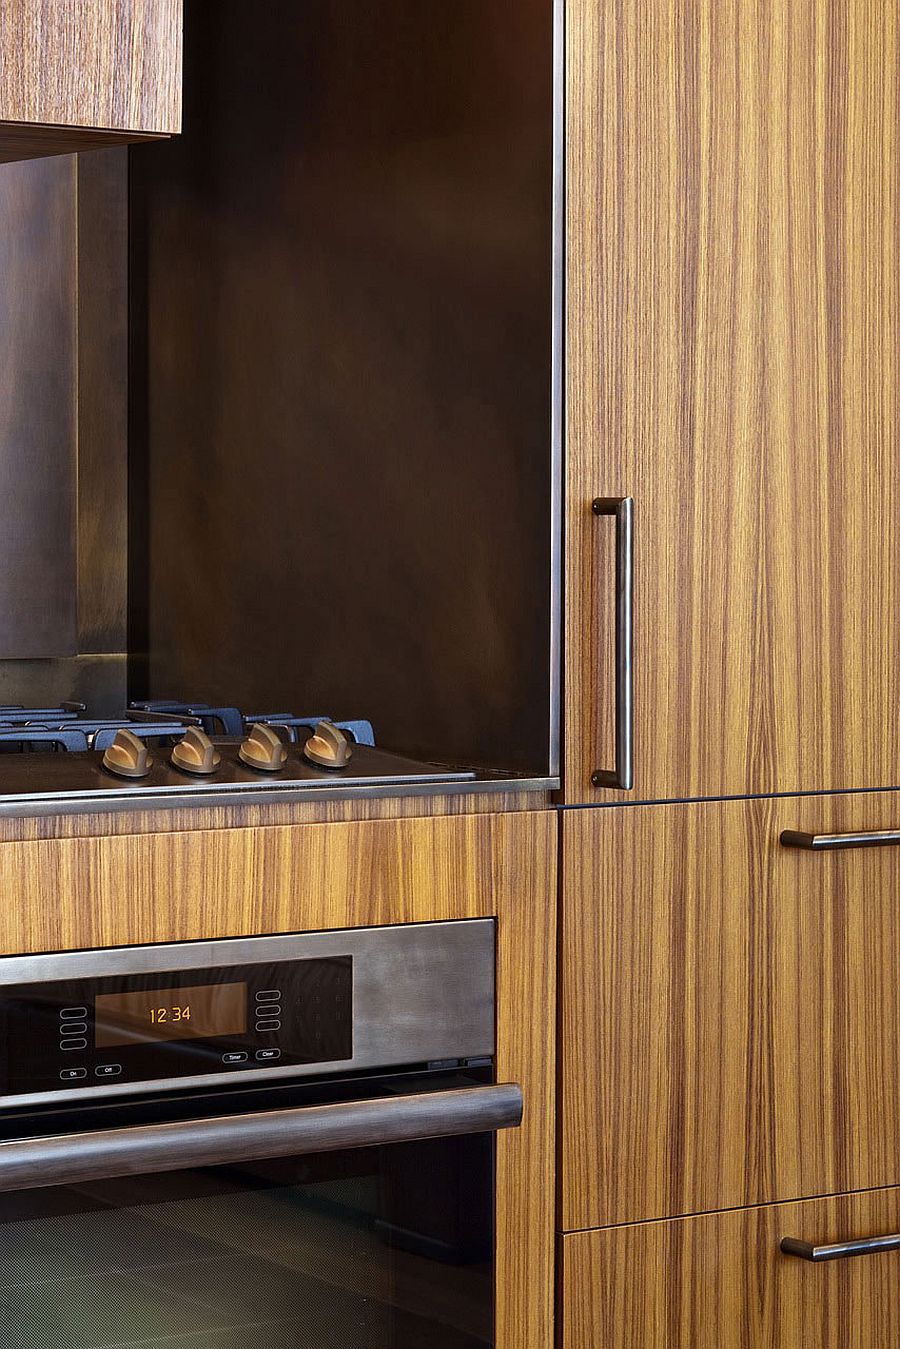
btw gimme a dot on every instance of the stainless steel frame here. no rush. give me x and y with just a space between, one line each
73 1159
421 992
557 377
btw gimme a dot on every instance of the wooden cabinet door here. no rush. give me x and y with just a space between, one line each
733 283
730 1026
721 1281
80 73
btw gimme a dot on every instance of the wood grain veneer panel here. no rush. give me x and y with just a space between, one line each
733 317
82 892
99 64
240 817
720 1281
730 1027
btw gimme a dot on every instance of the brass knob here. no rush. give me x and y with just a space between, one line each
127 756
263 749
196 753
328 747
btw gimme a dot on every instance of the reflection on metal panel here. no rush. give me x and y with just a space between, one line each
38 409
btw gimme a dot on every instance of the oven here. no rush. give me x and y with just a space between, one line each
254 1144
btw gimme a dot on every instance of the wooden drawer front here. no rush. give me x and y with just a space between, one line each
720 1281
730 1007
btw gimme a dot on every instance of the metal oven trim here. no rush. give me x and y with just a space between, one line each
422 992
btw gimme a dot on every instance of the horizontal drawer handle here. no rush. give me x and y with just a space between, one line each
876 838
840 1250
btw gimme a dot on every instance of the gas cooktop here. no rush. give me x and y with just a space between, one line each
169 749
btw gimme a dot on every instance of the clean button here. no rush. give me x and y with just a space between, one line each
263 1054
108 1070
72 1074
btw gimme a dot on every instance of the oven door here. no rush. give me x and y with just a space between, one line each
346 1215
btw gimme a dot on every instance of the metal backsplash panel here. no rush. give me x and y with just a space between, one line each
341 342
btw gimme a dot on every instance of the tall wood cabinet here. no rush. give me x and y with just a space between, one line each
733 349
730 967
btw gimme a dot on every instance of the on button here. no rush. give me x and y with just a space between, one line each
108 1070
72 1074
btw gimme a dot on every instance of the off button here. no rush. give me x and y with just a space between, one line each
108 1070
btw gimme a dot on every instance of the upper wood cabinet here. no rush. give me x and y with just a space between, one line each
733 317
81 73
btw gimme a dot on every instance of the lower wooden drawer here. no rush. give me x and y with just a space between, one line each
721 1281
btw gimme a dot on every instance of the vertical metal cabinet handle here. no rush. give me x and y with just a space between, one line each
839 1250
622 508
885 838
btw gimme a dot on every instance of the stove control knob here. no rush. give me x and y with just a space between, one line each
196 753
127 756
328 747
263 749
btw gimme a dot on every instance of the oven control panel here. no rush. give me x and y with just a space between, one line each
188 1023
141 1018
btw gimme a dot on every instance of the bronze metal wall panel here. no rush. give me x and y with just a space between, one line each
341 294
38 408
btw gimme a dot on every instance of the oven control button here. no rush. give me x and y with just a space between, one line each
264 1055
263 749
108 1070
73 1014
73 1028
127 756
73 1044
268 1025
72 1074
269 995
236 1056
196 753
267 1009
328 747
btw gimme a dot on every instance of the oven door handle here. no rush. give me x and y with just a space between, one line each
71 1159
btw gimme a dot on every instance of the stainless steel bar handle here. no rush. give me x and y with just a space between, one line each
884 838
623 774
840 1250
71 1159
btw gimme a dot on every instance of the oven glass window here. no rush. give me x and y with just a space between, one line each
376 1248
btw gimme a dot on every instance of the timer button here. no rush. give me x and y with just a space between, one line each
264 1054
72 1074
108 1070
235 1057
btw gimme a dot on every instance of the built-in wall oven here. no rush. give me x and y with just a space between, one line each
268 1143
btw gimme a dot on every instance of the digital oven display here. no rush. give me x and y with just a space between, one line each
202 1012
